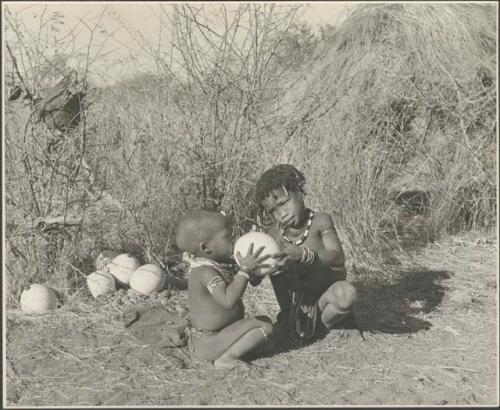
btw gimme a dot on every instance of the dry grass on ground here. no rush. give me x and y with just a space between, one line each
430 339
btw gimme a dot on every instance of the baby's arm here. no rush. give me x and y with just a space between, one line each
225 295
332 255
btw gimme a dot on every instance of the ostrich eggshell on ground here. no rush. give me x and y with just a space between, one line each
122 267
38 299
259 239
101 283
148 279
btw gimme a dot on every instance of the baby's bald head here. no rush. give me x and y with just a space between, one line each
198 226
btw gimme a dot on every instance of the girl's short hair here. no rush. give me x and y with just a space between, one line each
282 175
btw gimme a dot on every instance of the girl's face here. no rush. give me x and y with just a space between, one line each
287 208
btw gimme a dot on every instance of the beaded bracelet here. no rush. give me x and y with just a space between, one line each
308 256
244 271
304 255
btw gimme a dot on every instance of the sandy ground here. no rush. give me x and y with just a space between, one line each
431 339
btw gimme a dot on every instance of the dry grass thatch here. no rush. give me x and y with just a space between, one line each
401 97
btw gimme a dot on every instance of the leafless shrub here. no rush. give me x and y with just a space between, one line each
194 134
49 186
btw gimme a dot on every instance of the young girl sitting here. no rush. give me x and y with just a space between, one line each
310 284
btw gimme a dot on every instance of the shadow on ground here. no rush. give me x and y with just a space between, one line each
393 307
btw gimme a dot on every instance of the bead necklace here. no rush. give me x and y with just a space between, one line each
301 240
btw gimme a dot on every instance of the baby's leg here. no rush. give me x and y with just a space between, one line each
228 346
246 342
336 303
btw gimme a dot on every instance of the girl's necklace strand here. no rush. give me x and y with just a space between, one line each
305 234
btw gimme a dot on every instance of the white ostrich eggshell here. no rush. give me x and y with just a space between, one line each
259 239
148 279
38 299
101 283
122 267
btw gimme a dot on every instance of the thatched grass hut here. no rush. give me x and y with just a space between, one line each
403 97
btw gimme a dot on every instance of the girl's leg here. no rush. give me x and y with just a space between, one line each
281 286
336 303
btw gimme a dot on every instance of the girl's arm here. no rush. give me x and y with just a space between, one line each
332 255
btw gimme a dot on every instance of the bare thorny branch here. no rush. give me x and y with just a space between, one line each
38 54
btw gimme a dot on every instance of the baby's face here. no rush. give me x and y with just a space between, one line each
221 244
287 208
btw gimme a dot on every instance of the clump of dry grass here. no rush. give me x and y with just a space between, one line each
47 194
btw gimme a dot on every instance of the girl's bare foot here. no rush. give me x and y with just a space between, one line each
351 334
229 363
347 328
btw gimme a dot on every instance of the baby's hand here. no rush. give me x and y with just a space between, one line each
251 260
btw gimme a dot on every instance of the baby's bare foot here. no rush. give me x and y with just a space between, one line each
229 363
